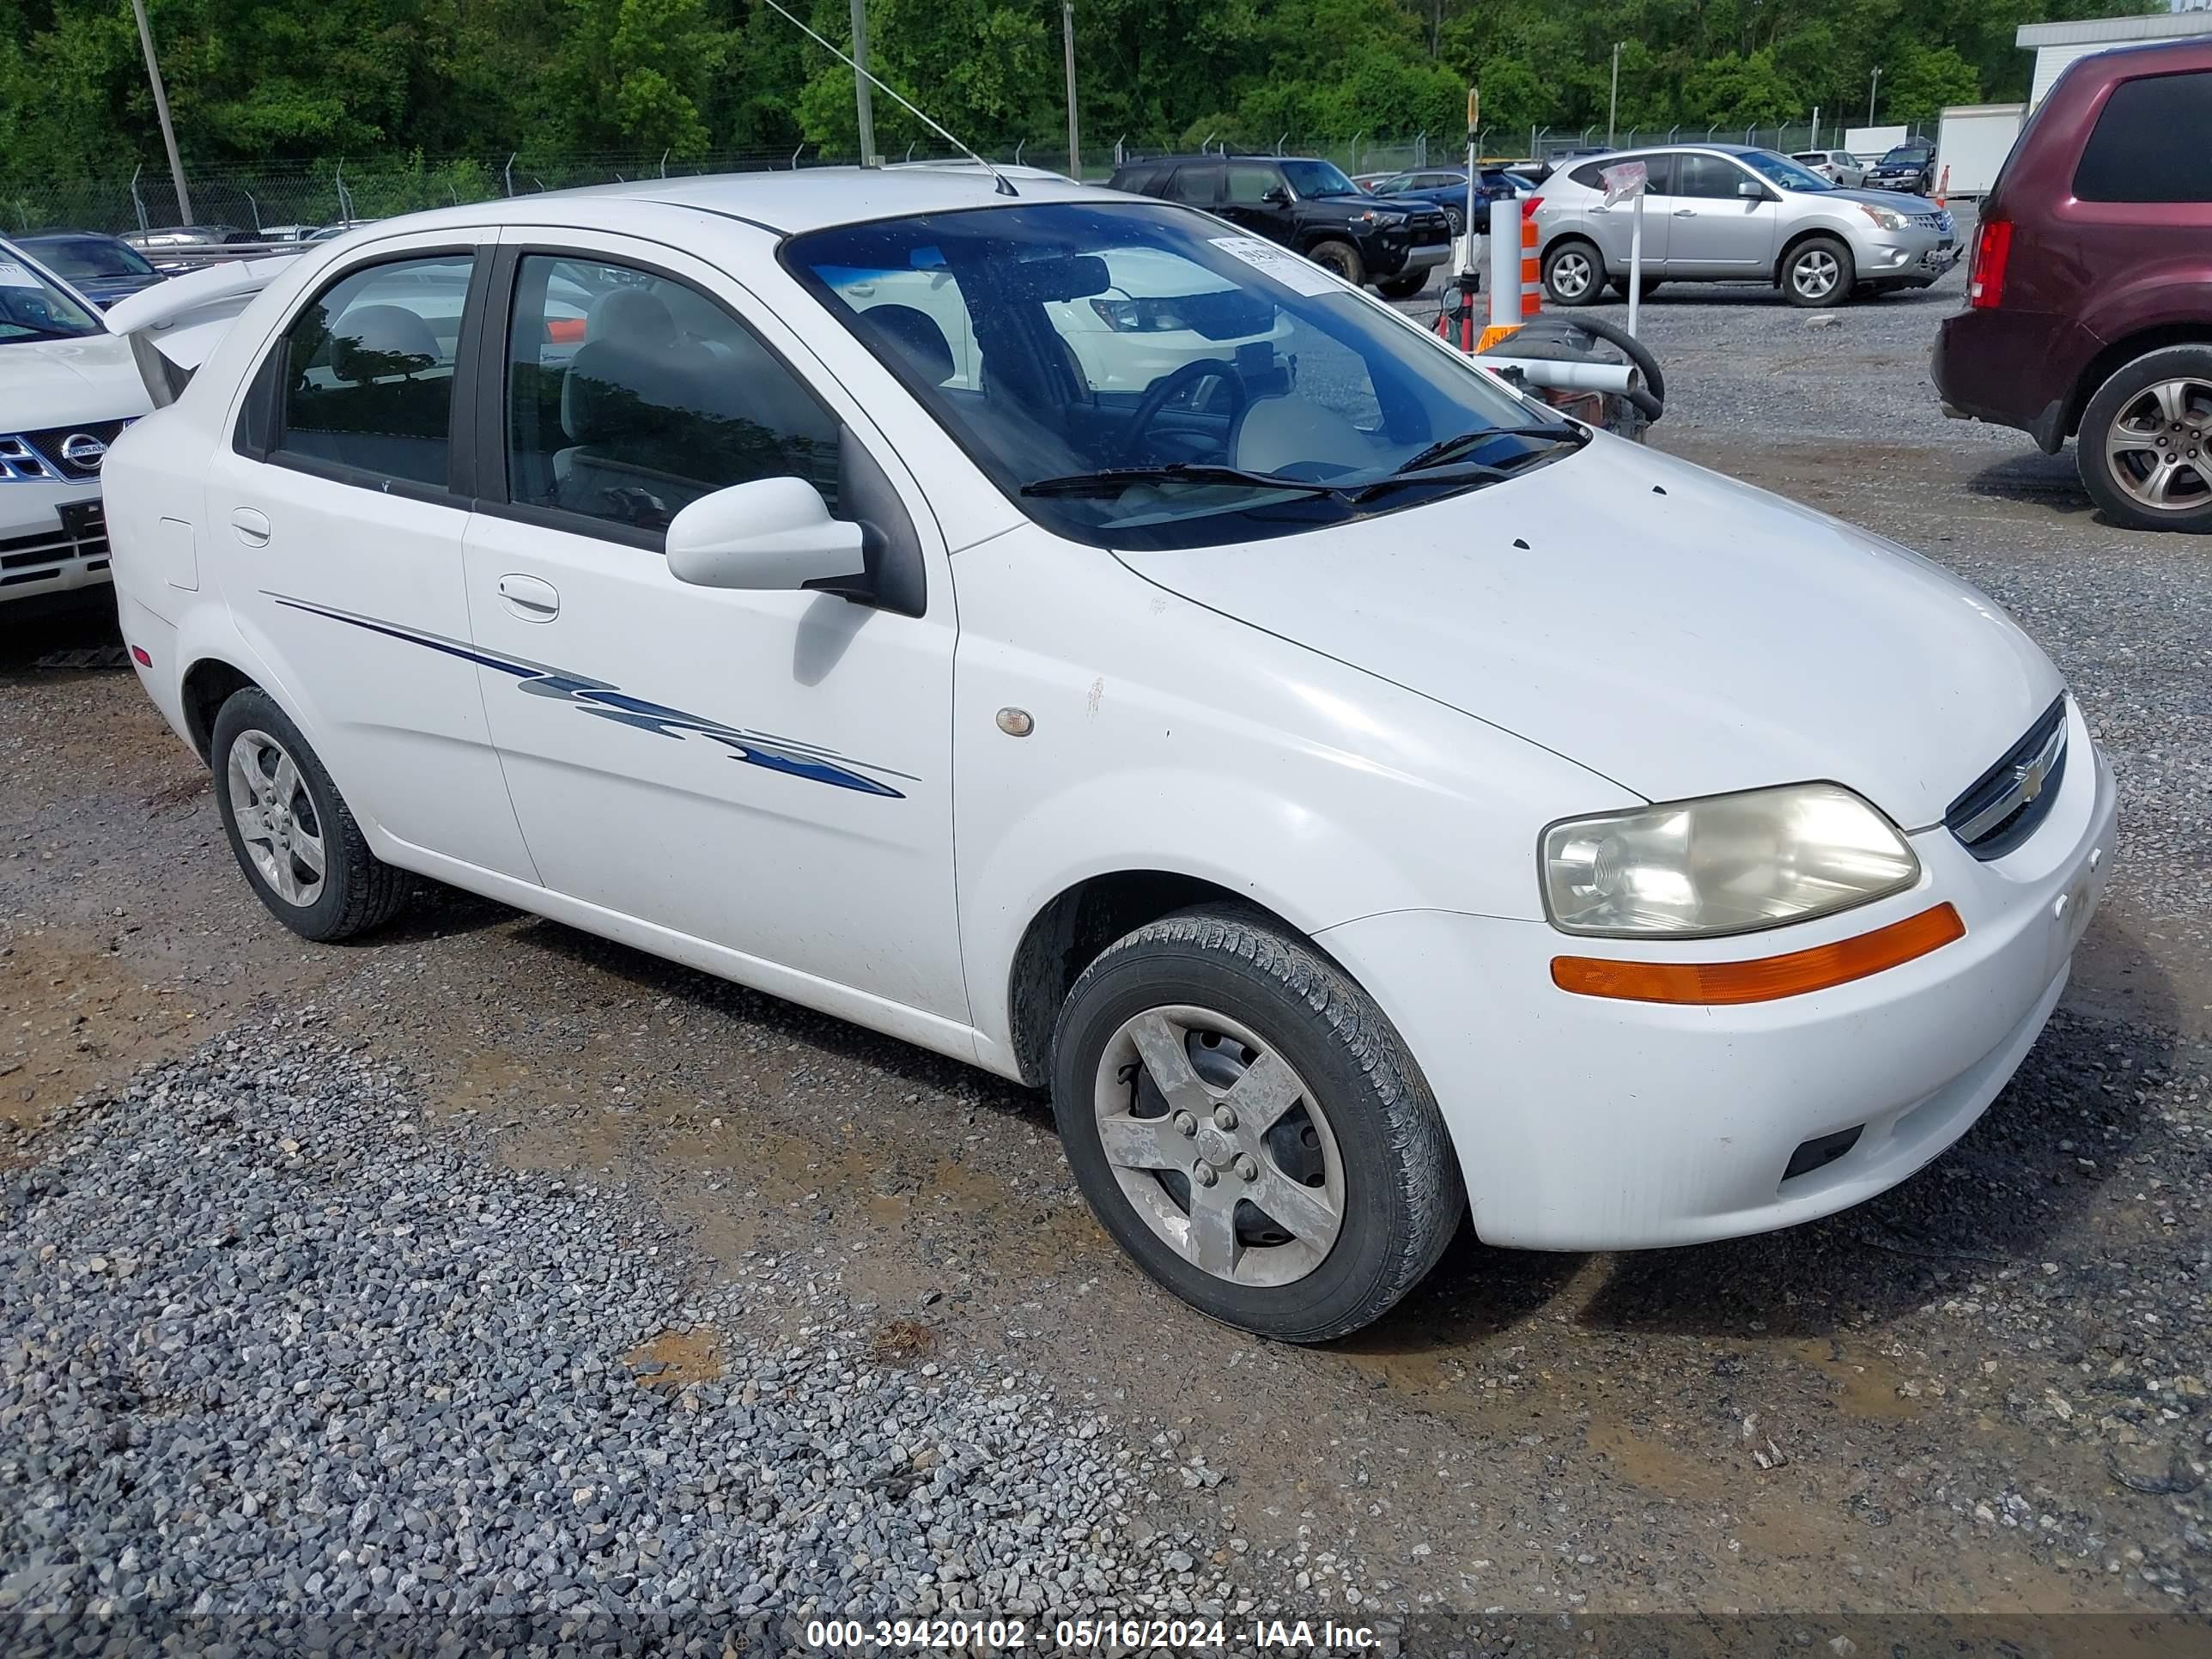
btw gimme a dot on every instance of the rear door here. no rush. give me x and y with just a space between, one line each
344 502
1716 232
1614 226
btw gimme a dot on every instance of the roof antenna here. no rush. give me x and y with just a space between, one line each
1003 185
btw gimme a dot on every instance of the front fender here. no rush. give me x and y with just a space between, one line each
1167 737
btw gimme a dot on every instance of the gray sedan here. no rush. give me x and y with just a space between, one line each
1728 213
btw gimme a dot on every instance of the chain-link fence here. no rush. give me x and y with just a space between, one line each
282 199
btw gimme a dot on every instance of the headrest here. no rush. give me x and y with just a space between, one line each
615 389
915 337
371 343
631 314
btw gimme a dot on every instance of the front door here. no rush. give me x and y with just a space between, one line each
1256 195
345 532
1717 231
767 772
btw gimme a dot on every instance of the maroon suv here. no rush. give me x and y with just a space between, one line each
2089 300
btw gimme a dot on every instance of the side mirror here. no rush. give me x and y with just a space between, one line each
772 534
1277 196
1750 192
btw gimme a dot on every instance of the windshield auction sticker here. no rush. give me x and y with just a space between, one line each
1293 271
15 275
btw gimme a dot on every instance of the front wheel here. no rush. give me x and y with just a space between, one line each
1818 272
1247 1124
1403 288
1340 257
2145 449
1574 273
290 830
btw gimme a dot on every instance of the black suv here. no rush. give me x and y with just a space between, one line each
1307 204
1909 168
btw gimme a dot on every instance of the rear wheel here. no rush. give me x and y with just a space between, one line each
1818 272
289 828
1246 1123
1620 285
1574 273
2145 449
1341 258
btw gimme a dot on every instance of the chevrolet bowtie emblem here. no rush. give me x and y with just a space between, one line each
2029 775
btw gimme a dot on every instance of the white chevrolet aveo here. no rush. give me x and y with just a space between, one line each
1361 797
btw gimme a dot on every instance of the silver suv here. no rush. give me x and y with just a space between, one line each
1726 213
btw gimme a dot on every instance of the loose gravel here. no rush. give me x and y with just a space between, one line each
279 1354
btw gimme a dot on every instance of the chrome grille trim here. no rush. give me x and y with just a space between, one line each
2004 806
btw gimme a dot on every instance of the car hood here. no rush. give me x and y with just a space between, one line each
1673 630
1897 201
54 382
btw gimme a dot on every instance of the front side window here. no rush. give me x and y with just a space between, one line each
1781 170
368 370
1249 183
32 308
1706 176
1318 178
2152 142
630 395
1146 377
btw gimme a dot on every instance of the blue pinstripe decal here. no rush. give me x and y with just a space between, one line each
611 702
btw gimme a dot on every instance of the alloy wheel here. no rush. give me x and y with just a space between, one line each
276 818
1816 273
2159 447
1571 275
1218 1146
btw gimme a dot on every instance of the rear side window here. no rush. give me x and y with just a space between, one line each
1143 181
1588 175
2143 148
368 370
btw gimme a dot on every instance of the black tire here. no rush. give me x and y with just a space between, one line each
1818 272
2128 397
1574 273
357 891
1403 288
1455 219
1400 1193
1341 258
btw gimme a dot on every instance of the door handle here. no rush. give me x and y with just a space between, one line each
252 527
1686 213
529 597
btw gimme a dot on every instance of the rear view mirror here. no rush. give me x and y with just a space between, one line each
772 534
1064 277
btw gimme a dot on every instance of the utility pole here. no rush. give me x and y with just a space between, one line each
1067 46
1871 87
1614 108
868 157
162 113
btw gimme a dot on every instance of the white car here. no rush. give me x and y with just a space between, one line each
1360 795
67 388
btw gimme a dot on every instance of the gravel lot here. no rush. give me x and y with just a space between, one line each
488 1271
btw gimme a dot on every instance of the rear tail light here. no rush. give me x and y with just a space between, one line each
1530 205
1985 277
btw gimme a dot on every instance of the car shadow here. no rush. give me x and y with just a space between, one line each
2025 1174
2050 481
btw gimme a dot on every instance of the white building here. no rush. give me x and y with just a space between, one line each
2057 45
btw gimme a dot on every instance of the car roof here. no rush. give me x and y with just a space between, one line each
788 203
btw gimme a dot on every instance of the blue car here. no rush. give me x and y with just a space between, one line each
1446 187
101 268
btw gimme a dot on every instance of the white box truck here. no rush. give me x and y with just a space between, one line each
1972 143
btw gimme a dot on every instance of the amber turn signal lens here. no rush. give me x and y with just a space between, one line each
1764 978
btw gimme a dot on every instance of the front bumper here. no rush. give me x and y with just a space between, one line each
1586 1123
1907 259
54 539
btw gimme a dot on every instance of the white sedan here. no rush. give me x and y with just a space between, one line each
67 388
1361 797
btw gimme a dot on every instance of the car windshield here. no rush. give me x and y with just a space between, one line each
90 256
32 308
1142 376
1781 170
1902 156
1318 178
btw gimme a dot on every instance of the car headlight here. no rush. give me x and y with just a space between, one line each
21 463
1726 864
1883 217
1384 221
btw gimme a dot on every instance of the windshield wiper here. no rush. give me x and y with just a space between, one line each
1444 449
1108 479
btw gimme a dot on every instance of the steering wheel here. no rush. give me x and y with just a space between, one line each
1164 389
